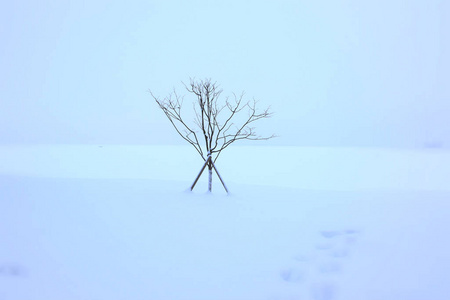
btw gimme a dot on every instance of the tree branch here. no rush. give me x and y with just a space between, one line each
218 130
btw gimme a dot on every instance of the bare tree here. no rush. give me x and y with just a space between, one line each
216 125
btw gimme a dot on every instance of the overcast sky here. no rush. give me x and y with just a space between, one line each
350 72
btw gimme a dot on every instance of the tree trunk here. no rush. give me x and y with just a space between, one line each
209 177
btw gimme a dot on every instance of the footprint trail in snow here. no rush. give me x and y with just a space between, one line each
315 272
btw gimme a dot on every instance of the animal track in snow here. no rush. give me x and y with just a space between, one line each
323 291
10 269
292 275
329 233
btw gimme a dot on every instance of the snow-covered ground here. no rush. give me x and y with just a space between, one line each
117 222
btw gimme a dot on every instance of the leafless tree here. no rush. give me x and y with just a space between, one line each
216 124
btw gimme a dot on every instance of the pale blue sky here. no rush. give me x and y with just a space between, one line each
364 73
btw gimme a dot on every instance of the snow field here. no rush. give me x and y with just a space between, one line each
89 222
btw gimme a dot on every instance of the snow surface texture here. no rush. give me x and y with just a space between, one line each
116 222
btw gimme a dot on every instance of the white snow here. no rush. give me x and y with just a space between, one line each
117 222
